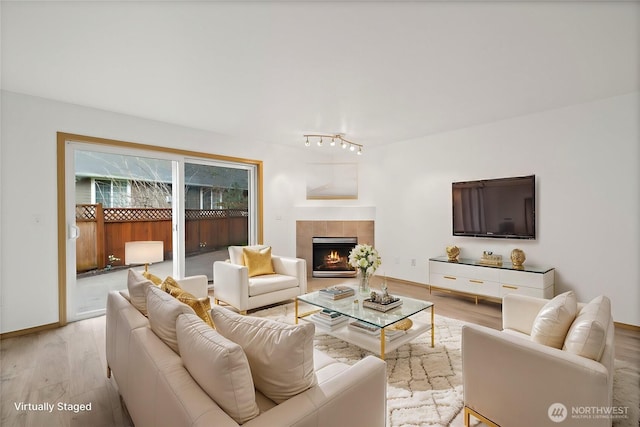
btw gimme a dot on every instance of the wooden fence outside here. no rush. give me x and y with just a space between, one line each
104 231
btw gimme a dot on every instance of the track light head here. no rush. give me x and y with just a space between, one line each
344 143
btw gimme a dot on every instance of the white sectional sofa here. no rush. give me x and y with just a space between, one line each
158 390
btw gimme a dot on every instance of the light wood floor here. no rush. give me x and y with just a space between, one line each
68 364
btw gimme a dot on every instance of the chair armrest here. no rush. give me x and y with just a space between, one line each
334 402
506 378
519 312
196 286
231 284
296 267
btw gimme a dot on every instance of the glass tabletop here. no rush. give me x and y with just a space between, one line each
348 307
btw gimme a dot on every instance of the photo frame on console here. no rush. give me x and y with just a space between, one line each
326 181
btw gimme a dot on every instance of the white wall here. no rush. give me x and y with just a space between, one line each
28 197
405 186
586 159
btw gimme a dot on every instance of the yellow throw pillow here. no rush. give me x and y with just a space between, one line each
201 307
171 287
154 279
258 261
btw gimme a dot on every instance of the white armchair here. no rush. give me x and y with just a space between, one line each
233 286
510 380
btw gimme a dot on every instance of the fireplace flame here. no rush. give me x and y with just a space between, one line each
333 257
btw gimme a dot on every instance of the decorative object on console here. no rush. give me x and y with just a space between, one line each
452 253
366 260
143 252
488 258
517 258
344 143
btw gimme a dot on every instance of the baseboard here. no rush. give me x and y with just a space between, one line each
30 330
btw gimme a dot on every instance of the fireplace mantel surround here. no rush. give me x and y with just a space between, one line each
306 230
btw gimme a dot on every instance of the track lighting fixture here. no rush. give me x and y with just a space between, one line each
344 143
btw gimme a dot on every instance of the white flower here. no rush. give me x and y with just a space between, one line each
365 258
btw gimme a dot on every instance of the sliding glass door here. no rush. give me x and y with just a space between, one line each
116 194
218 200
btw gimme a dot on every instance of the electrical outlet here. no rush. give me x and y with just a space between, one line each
413 262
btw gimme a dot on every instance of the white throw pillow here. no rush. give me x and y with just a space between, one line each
163 312
137 285
236 253
588 332
554 319
219 366
280 355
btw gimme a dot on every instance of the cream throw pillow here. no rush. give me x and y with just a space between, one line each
554 319
588 332
280 355
258 261
163 312
137 285
219 366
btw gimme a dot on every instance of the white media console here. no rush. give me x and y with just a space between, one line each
468 276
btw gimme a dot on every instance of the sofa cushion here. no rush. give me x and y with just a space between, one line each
280 355
271 283
236 255
163 311
258 261
137 286
554 319
219 366
587 335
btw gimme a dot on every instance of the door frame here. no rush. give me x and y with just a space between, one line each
64 137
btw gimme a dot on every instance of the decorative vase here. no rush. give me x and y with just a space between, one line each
452 253
517 258
364 288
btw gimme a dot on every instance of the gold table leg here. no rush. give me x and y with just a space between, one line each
433 327
296 305
382 343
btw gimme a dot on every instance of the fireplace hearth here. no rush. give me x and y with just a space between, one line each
331 256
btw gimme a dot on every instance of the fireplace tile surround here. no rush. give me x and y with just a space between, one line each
305 230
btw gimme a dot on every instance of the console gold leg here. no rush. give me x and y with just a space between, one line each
466 417
382 343
216 301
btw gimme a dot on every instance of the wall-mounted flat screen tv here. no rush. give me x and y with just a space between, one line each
503 208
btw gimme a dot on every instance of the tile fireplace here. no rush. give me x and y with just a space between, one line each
331 256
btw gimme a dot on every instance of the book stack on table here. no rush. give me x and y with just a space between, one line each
365 328
337 292
328 319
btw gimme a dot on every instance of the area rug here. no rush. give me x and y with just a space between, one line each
425 383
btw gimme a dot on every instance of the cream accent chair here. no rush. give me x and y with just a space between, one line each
233 286
510 380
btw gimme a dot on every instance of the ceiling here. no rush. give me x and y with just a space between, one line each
379 72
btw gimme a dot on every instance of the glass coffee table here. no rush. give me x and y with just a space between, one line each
376 322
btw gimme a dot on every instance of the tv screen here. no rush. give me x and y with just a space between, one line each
503 207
